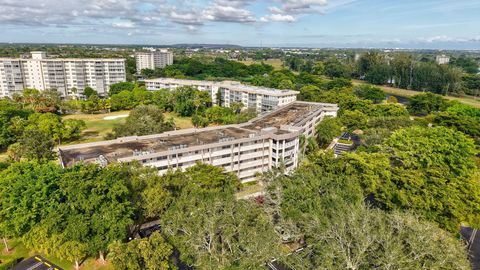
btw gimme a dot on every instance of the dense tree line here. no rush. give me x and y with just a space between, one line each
403 71
87 210
323 207
204 68
400 70
29 134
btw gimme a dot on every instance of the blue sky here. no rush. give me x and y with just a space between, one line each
439 24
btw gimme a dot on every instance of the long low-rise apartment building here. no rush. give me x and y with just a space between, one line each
69 76
227 92
245 149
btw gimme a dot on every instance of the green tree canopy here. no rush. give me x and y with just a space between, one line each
216 232
151 253
370 92
363 238
119 87
423 104
143 120
432 172
88 91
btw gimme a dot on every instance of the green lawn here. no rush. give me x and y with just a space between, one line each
98 127
276 63
180 122
19 251
475 102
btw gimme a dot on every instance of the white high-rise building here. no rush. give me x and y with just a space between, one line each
442 59
153 59
69 76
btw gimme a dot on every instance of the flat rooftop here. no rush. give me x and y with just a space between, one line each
292 114
137 146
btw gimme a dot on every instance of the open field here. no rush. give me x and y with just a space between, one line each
276 63
99 125
19 251
475 102
180 122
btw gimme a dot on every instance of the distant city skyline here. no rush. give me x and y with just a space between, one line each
427 24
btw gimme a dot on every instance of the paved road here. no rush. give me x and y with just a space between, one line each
472 236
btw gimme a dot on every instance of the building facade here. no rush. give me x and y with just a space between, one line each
227 92
153 59
442 59
247 149
69 76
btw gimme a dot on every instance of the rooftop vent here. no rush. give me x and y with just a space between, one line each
226 139
176 147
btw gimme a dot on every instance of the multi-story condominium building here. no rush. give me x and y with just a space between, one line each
226 92
69 76
153 59
245 149
442 59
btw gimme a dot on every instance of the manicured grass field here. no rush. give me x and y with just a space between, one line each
98 127
19 251
475 102
276 63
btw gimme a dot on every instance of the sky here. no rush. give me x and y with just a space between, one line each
423 24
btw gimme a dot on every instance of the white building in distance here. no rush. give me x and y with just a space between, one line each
226 92
442 59
153 59
247 149
69 76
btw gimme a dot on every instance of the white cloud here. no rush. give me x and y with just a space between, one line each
443 38
277 18
185 17
300 6
117 15
123 25
229 11
275 10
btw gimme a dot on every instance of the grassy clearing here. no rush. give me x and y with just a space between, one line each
98 127
19 251
180 122
249 189
276 63
475 102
